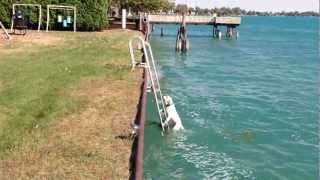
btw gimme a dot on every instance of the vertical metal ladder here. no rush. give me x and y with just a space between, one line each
152 75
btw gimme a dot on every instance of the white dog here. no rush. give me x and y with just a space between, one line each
172 114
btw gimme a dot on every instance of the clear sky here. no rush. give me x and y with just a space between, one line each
260 5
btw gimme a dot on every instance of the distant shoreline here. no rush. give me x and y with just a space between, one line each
277 16
237 11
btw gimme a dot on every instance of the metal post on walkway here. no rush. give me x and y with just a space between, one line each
124 18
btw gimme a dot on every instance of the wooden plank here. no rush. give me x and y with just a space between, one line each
38 5
60 6
228 20
201 20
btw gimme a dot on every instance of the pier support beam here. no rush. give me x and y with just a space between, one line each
140 21
182 42
216 32
145 26
232 32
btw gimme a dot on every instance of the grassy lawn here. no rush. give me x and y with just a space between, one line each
64 99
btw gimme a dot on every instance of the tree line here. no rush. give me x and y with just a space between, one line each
225 11
137 6
164 6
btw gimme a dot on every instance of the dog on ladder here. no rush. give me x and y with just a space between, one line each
173 116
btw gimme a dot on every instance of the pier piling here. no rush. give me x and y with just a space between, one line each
232 32
182 43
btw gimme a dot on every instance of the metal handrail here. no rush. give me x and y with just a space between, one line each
134 63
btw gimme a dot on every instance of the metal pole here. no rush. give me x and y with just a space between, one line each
48 18
140 21
75 20
13 10
124 18
40 18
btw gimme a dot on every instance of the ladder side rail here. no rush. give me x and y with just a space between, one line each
133 61
155 95
160 102
154 69
159 92
157 78
153 63
157 100
153 83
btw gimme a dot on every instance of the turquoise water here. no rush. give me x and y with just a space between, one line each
250 106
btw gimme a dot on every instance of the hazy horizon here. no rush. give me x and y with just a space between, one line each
262 5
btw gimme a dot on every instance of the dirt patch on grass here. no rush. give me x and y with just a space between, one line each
112 32
45 39
1 85
83 145
3 120
29 42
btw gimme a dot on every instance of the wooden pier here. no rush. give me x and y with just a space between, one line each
197 20
182 44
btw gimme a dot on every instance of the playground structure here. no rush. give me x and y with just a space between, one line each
5 31
20 25
67 8
30 5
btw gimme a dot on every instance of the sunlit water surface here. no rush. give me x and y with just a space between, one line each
250 106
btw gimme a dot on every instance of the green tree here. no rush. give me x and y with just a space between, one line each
5 15
166 6
198 10
142 5
181 9
191 10
236 11
91 14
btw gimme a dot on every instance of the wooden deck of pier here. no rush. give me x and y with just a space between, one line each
197 20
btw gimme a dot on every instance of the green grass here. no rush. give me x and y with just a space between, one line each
35 79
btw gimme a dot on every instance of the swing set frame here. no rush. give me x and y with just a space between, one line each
31 5
5 31
68 8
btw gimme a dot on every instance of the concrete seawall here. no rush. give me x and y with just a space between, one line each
137 169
